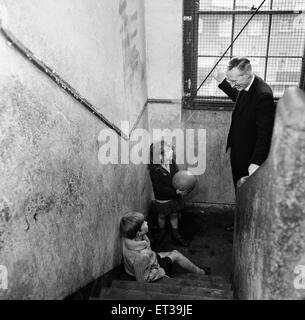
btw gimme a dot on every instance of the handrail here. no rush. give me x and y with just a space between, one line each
51 73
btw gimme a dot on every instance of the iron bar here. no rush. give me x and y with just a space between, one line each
253 15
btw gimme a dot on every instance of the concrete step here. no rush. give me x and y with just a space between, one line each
173 288
208 279
125 294
206 283
214 282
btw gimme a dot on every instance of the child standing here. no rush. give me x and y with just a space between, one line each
162 169
143 263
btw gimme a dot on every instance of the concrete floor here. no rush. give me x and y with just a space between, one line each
210 244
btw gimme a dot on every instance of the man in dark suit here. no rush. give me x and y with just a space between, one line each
251 128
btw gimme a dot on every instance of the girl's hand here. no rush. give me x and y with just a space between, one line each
182 192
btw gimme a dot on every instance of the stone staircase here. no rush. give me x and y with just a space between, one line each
185 286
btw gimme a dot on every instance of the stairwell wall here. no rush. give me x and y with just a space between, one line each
269 246
59 206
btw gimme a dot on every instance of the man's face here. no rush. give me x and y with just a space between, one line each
238 79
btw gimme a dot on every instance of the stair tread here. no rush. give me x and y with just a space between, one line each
123 294
202 283
195 276
172 288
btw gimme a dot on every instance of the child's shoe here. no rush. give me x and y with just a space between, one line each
207 270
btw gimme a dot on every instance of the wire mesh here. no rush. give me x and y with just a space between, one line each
273 40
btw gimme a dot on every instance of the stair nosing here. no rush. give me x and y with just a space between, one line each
207 290
106 294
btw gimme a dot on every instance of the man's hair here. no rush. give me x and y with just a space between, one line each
241 63
130 224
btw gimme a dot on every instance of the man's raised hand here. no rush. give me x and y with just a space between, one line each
219 75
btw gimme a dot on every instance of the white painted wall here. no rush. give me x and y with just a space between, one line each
164 47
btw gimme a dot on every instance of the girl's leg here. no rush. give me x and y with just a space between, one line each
175 233
182 261
161 232
164 254
161 221
174 220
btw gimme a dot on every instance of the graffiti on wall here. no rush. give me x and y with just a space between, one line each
134 68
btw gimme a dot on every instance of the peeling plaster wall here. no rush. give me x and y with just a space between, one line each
269 229
77 37
59 207
164 116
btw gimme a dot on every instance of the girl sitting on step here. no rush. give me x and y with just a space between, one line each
140 261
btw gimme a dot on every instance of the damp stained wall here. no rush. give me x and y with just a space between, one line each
59 206
215 185
269 246
77 37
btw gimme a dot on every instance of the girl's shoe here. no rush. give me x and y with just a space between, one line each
178 239
207 270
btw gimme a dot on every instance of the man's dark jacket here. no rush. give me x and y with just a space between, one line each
251 127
